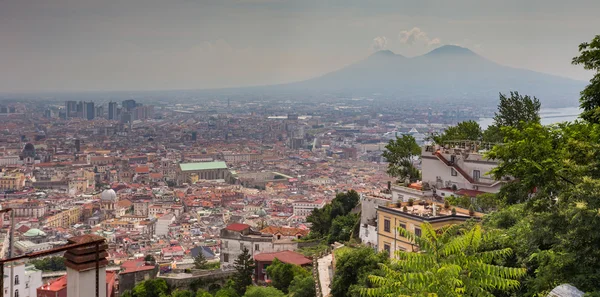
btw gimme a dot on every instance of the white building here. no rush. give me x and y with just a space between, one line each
458 168
368 217
10 160
304 208
26 246
236 237
25 281
162 224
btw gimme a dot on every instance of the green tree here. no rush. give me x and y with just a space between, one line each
127 293
151 288
468 130
149 258
200 261
282 274
203 293
302 286
227 292
451 263
513 111
182 293
322 219
400 154
589 57
255 291
352 269
342 227
50 263
244 270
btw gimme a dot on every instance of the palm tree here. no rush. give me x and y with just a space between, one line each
453 261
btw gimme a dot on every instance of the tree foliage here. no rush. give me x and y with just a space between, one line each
400 154
589 57
557 187
514 111
49 264
227 292
467 130
244 270
255 291
203 293
200 261
352 269
302 286
334 221
282 274
452 262
151 288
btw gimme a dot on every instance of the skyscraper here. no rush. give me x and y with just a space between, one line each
128 105
89 110
70 108
112 110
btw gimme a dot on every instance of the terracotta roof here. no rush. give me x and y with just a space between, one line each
237 227
283 256
135 266
56 285
142 169
285 231
23 229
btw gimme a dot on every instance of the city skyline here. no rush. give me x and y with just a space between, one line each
71 45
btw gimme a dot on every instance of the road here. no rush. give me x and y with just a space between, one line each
325 274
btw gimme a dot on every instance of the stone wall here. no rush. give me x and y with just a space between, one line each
205 279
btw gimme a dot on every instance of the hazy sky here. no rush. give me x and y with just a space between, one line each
61 45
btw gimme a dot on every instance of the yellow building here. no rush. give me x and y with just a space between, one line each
392 217
66 218
12 181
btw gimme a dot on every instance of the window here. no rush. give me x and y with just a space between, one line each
17 293
386 225
418 232
256 247
453 172
387 248
225 257
403 226
16 279
476 175
452 159
241 246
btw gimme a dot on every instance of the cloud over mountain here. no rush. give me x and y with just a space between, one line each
416 35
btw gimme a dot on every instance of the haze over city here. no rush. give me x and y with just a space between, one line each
82 45
308 148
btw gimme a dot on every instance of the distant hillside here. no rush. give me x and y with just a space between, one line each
449 73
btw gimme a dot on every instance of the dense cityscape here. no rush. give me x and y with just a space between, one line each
195 149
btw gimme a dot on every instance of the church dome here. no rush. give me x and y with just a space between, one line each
34 232
261 213
108 195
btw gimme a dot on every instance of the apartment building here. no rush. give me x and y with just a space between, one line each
65 218
463 166
412 217
304 208
236 237
12 181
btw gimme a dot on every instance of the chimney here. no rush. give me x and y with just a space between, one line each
81 267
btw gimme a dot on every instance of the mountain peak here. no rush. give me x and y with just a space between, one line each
451 50
385 53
